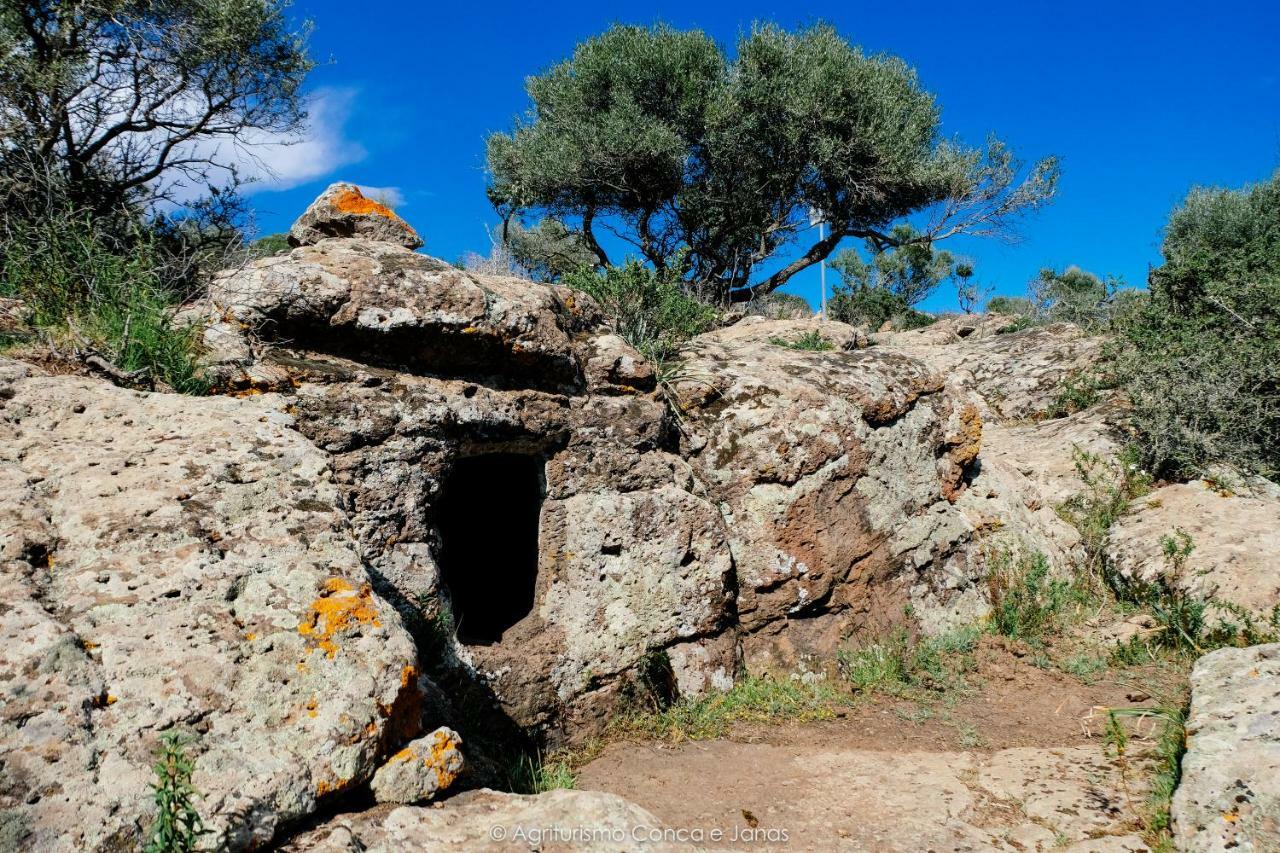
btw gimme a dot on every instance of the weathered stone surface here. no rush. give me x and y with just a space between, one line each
487 821
419 771
382 304
1235 543
946 331
631 558
832 470
841 336
1015 375
1229 796
343 211
173 563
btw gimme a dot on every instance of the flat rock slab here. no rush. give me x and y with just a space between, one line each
763 796
1229 798
492 822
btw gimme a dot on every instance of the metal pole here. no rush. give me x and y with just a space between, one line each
822 270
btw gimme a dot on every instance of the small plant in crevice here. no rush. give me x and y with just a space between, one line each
811 341
1026 602
177 827
539 772
1170 744
896 662
1078 392
1110 486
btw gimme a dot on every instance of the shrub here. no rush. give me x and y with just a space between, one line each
104 291
649 309
812 341
1016 305
780 306
873 307
1202 361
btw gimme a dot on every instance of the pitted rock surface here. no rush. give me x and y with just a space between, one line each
174 563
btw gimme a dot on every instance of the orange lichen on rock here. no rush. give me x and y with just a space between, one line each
443 756
963 448
353 201
339 609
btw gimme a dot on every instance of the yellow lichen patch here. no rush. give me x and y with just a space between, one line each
407 675
311 706
250 636
339 609
406 754
353 201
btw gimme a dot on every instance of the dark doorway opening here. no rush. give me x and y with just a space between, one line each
488 517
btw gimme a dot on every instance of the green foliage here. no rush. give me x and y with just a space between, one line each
650 310
1026 603
1109 487
549 250
541 772
82 283
1202 363
680 146
751 700
1017 305
1078 392
271 244
910 268
811 341
110 101
873 307
897 662
177 827
781 306
1171 744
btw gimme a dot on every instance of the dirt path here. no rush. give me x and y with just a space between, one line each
1016 764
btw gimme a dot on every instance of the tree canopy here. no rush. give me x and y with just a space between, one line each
125 99
684 152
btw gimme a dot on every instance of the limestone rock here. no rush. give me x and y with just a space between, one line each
1235 543
422 769
1229 796
343 211
488 822
841 336
179 563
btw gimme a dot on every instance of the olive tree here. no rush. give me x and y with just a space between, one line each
658 136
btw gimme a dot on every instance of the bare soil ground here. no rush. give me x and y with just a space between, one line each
1015 761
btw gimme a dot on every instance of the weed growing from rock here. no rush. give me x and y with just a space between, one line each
177 827
1170 744
810 341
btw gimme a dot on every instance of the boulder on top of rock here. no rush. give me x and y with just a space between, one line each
1229 797
382 304
419 771
343 211
1234 542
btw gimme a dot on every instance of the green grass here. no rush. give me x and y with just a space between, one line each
812 341
756 699
89 292
1026 603
542 772
1170 745
896 663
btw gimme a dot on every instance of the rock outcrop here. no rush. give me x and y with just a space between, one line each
834 472
174 564
343 211
1234 542
1229 797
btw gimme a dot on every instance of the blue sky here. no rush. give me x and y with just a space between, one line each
1140 100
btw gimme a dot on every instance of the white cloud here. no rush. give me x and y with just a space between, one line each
390 196
268 162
